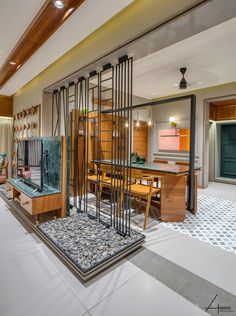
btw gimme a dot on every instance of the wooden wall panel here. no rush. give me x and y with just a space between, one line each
184 139
212 112
223 110
43 25
6 106
226 112
140 140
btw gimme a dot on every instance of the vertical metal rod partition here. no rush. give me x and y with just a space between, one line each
191 194
114 88
123 112
105 127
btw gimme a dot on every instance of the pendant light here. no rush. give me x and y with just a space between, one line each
150 117
137 122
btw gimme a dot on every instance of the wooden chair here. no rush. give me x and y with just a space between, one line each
110 178
4 172
143 191
113 180
92 175
92 172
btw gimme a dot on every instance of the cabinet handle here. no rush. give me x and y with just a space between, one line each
24 203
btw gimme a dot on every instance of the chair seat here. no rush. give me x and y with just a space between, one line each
93 178
143 190
112 182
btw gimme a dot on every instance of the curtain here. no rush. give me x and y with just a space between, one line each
6 134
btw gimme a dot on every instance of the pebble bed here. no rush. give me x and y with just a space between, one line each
87 242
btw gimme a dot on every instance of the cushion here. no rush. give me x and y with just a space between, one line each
2 159
26 174
2 179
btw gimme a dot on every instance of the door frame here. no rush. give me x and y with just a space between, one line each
205 143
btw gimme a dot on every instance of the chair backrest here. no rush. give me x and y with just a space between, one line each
106 168
136 174
182 163
91 166
160 161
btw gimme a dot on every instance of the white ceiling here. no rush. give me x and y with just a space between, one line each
209 57
82 22
15 16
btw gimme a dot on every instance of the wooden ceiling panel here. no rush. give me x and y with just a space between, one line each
45 23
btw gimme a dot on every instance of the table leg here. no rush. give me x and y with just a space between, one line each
173 205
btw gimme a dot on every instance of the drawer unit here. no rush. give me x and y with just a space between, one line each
26 203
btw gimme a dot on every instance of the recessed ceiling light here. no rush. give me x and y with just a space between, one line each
12 63
59 4
18 67
176 84
153 93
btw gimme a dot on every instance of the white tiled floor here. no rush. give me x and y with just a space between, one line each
220 190
33 282
209 262
29 283
143 295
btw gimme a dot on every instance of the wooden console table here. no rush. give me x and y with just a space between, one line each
36 203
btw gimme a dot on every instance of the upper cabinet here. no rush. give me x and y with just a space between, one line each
223 110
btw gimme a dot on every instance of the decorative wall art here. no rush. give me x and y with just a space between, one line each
174 139
26 124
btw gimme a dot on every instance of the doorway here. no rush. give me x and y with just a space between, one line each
228 151
221 126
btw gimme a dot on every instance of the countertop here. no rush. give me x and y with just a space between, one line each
151 166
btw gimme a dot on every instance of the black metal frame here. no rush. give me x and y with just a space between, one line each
121 81
192 99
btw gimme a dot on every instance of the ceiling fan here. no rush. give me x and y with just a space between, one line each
183 83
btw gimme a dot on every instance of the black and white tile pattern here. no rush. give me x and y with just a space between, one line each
215 223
